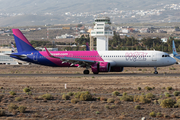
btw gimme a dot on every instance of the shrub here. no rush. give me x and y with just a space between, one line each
22 109
47 96
148 88
167 103
143 99
126 98
1 87
167 94
2 112
136 98
107 106
115 93
137 107
18 99
177 98
159 101
70 94
139 88
98 98
110 100
139 69
177 105
77 95
152 114
159 114
12 107
65 97
124 93
39 98
97 112
12 93
26 90
169 88
163 87
176 93
74 101
85 97
29 93
150 96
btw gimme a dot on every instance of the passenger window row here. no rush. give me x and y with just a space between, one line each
165 56
126 56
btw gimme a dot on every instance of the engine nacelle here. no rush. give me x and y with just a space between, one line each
117 69
100 67
104 67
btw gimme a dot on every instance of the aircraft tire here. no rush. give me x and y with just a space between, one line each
86 72
155 72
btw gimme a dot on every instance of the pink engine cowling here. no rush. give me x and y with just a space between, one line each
105 67
100 67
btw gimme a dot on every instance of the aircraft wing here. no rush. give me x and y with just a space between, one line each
73 61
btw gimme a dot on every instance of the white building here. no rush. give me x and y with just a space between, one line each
125 30
64 36
164 39
102 31
6 60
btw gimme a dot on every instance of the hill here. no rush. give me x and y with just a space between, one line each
56 7
41 12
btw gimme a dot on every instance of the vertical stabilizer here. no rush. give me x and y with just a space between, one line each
87 47
22 44
174 48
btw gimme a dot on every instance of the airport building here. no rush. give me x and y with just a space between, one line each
6 60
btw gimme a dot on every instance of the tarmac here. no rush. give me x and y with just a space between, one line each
90 75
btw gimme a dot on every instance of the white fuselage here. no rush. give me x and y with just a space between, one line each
137 58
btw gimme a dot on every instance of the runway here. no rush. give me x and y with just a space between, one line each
90 75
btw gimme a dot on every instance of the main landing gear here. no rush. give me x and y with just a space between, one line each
155 72
86 72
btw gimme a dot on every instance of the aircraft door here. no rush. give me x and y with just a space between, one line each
154 57
35 56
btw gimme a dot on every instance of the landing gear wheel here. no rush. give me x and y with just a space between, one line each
86 72
95 72
155 72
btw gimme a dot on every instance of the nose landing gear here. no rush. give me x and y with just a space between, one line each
155 72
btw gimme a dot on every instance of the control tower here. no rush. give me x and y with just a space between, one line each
102 32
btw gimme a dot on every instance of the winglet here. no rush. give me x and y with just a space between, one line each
174 48
48 52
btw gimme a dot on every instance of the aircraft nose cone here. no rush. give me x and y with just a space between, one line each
173 61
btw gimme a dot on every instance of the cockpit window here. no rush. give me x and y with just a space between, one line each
162 55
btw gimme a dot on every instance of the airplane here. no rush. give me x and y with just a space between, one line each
175 54
97 61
